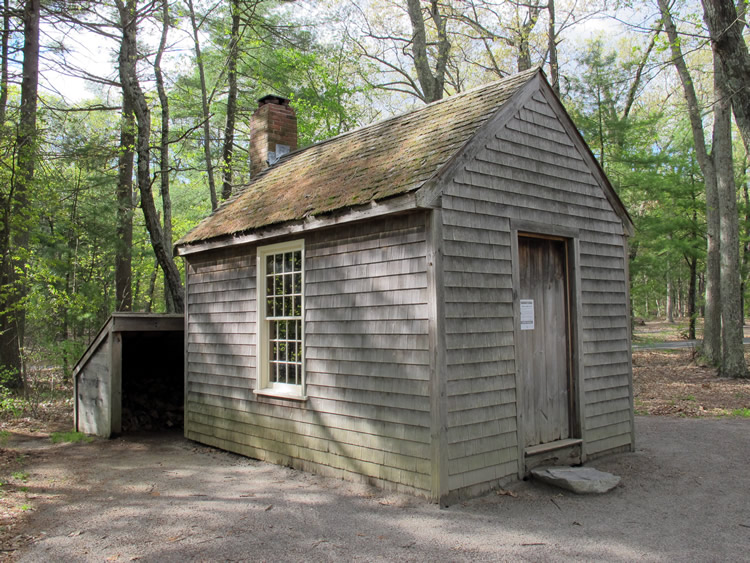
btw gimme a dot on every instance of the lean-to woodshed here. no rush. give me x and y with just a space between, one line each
433 303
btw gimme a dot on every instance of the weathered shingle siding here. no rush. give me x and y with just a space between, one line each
367 357
528 171
479 341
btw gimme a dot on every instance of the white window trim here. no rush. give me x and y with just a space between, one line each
264 387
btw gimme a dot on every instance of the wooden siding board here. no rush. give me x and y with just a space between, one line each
394 434
383 371
482 181
609 443
368 408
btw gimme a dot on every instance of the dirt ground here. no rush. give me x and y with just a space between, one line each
158 497
675 382
149 497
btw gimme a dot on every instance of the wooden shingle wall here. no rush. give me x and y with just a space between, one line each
367 360
529 171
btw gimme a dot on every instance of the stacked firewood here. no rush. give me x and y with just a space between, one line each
152 408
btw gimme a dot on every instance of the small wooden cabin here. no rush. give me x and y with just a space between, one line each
434 303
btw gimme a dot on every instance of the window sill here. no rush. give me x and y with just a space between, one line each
279 395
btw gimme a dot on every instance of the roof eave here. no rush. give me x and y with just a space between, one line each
390 206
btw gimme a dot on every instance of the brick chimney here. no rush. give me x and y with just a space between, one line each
273 132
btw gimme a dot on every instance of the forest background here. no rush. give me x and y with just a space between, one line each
104 166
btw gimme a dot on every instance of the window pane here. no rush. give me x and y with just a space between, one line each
297 284
282 374
297 261
288 284
278 263
293 374
278 289
269 264
289 261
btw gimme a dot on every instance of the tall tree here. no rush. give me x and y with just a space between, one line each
722 339
227 152
166 199
14 240
725 25
712 322
204 106
124 243
431 81
132 92
733 352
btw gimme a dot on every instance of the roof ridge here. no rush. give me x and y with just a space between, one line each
452 98
373 162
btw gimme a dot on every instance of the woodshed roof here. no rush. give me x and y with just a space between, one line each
372 163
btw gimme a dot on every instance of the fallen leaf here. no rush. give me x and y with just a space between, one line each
269 507
506 493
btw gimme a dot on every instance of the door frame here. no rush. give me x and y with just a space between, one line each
571 239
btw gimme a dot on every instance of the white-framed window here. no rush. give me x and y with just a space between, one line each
281 341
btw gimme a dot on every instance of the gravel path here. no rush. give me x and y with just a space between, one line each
684 496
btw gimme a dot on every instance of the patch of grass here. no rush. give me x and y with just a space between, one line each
21 475
4 437
689 398
25 507
742 413
72 437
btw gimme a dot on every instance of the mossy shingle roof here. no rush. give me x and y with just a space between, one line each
372 163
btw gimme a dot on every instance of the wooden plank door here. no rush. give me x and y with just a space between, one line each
543 348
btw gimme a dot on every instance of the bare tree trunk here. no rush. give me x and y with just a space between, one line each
712 326
725 26
746 245
132 90
16 235
166 200
124 248
4 63
691 312
670 298
523 56
228 151
204 107
554 67
733 354
431 83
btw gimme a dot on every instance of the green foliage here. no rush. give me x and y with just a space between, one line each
11 405
649 158
71 437
741 413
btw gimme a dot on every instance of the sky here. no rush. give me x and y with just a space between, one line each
97 55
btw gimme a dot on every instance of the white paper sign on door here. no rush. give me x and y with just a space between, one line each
527 314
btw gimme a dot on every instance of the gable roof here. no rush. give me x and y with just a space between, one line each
367 165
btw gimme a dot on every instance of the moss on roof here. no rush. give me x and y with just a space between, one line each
372 163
